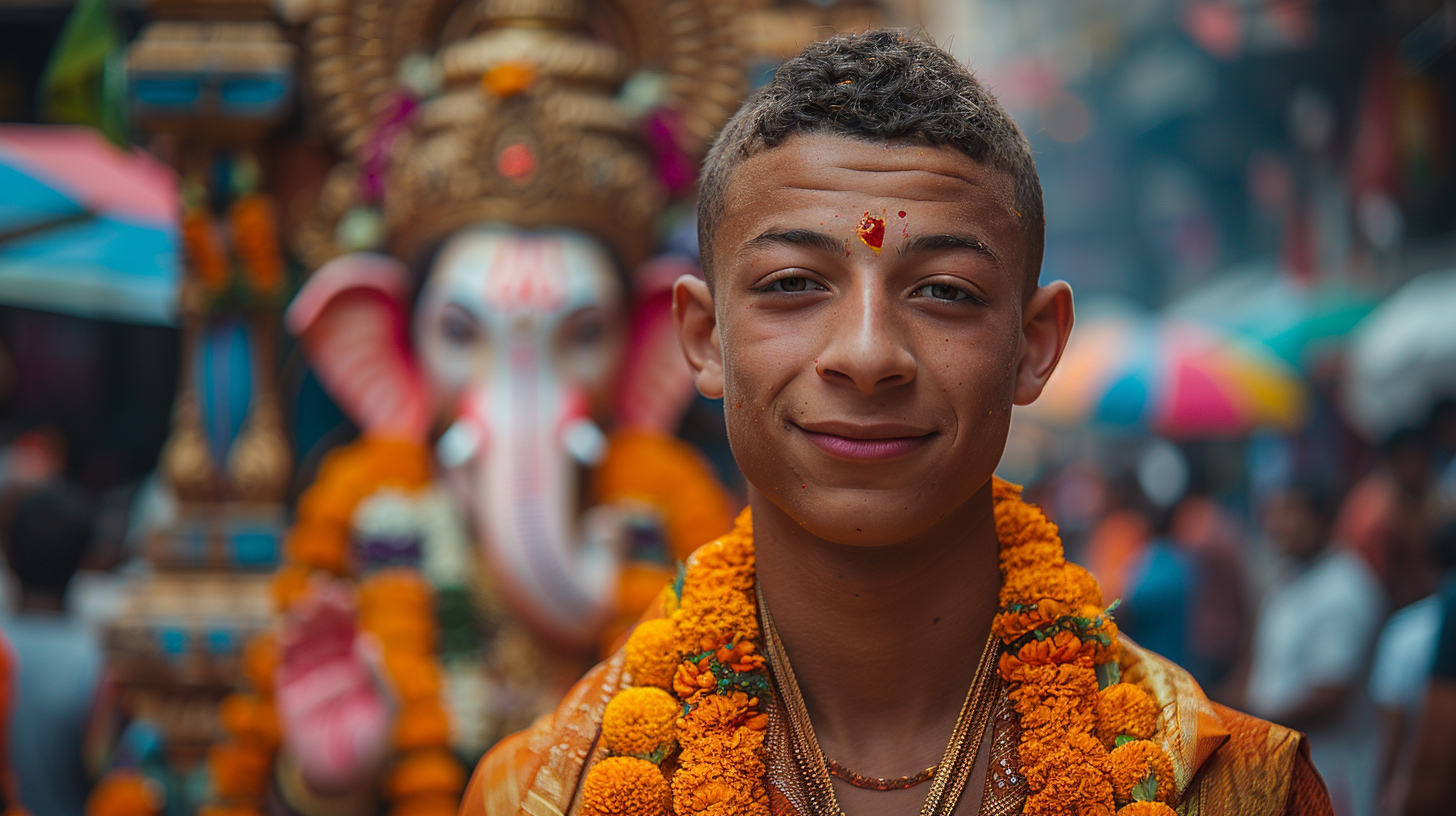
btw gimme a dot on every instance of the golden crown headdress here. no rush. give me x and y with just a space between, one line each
523 111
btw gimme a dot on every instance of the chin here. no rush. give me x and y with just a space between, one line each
860 517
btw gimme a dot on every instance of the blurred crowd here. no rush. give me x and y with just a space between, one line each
1325 600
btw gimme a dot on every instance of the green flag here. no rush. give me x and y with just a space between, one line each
84 81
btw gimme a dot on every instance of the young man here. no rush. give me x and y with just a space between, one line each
871 230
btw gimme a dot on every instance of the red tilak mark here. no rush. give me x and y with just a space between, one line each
872 231
902 213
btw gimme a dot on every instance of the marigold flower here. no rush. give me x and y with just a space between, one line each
397 590
260 661
431 771
415 677
1146 809
320 545
238 771
651 655
1062 647
1125 709
625 786
422 724
229 810
640 721
428 804
250 720
1130 763
691 679
124 793
290 584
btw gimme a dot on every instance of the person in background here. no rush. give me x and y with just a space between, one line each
1400 677
1157 607
1386 518
45 535
1432 781
1312 643
1222 613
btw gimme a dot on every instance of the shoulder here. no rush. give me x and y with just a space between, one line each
1226 761
537 771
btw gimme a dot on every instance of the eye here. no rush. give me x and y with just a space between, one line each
795 284
458 326
941 291
586 328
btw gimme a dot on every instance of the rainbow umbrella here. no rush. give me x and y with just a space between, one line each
1176 378
85 227
1299 323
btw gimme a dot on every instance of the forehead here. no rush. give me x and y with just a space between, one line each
811 174
508 269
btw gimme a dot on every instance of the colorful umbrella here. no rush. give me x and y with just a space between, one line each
1176 378
86 228
1262 302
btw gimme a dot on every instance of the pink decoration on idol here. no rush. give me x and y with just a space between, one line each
675 167
395 119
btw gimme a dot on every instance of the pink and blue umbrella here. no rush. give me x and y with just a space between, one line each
86 228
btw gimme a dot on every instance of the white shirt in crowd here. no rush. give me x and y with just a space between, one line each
1316 629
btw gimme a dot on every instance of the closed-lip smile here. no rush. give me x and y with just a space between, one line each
867 442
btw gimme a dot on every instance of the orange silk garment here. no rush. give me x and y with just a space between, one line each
1225 763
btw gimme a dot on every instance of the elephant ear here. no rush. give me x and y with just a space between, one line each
656 388
351 317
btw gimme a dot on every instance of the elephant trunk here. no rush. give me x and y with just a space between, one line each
558 573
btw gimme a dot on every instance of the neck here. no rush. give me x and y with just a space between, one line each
884 641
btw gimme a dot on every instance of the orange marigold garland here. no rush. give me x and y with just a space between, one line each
708 652
1084 749
396 606
1060 666
254 225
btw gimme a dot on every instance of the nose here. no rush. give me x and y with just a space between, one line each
866 348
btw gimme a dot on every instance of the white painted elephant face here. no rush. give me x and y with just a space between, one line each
521 343
506 311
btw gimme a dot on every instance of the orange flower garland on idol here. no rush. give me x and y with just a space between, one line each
1085 736
395 605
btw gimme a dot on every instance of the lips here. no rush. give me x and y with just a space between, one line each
865 442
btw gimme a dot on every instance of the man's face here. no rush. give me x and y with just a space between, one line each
869 303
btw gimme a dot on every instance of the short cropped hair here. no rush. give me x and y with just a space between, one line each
881 85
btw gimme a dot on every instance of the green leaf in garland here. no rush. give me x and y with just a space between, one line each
1123 739
1108 674
1146 790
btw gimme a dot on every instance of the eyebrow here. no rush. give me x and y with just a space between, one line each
945 241
800 238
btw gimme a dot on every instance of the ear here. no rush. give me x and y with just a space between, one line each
351 317
697 333
1046 323
656 386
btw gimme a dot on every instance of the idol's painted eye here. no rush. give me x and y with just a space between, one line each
793 285
941 291
586 328
458 325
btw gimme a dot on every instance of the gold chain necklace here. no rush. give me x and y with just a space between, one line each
956 763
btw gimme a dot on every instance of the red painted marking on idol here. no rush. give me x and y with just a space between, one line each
902 213
527 275
872 231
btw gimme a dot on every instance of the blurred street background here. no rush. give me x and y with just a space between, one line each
1251 440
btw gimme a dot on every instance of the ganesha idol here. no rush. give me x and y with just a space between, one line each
486 309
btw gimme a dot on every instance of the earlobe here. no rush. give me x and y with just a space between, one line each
1046 325
697 333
